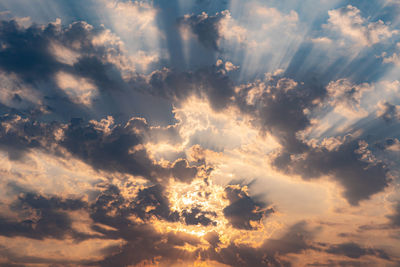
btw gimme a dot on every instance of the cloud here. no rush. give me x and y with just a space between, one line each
243 212
350 163
350 24
107 176
151 201
196 216
394 58
279 105
210 82
395 217
205 28
49 61
346 97
283 106
297 239
43 218
388 112
102 145
353 250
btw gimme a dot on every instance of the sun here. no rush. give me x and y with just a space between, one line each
200 195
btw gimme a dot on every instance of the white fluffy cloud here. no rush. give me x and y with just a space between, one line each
350 24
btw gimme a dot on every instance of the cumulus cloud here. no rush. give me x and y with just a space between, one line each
346 97
282 106
349 22
279 105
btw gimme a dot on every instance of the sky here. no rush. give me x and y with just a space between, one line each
199 133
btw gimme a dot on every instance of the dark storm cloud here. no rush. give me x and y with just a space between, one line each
205 27
353 250
243 210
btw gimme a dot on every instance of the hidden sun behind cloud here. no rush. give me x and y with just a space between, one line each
199 133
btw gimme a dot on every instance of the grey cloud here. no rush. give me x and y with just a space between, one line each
212 238
93 62
97 56
197 216
142 241
297 239
395 217
119 150
351 164
182 171
242 209
205 27
28 52
210 82
43 218
353 250
279 106
389 113
116 149
19 134
154 198
109 151
280 109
